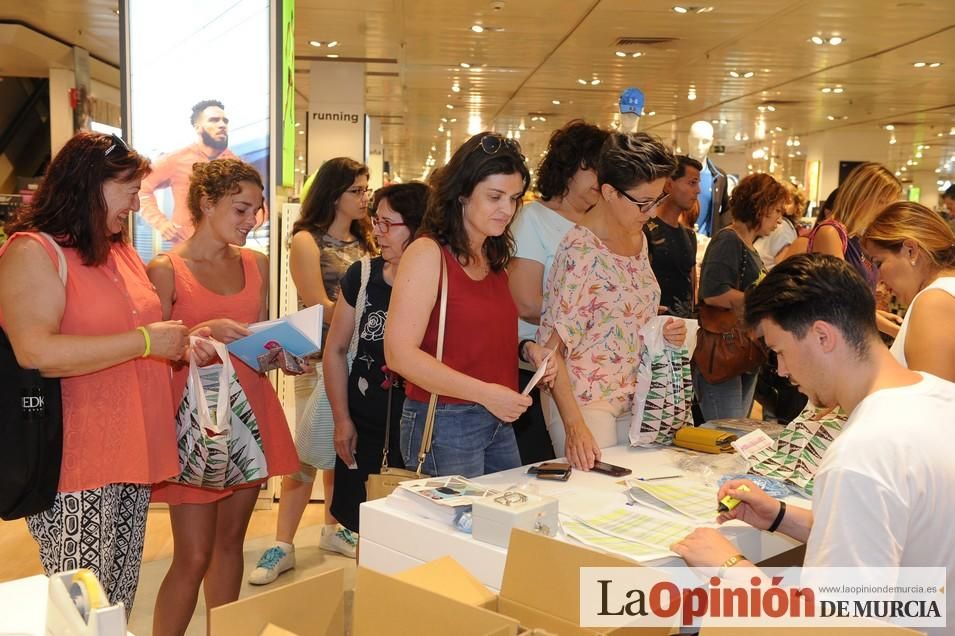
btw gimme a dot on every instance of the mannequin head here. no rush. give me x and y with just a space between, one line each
700 140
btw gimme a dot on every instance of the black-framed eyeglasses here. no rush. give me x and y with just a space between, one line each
119 144
643 206
384 225
359 192
492 143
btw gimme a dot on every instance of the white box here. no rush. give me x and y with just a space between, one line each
494 517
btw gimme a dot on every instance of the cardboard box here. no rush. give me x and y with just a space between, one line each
541 586
385 605
272 630
447 577
284 607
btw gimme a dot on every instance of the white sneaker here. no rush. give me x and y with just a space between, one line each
343 541
273 562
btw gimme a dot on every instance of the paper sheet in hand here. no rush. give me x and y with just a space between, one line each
541 370
298 334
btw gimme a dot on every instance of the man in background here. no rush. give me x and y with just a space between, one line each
672 246
174 169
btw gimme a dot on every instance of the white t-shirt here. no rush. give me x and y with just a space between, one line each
883 493
537 232
898 347
769 246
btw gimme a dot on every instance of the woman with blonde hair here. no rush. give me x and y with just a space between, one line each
913 249
865 192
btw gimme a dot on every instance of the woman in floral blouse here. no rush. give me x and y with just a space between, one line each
601 291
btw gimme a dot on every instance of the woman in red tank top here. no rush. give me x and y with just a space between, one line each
474 199
211 283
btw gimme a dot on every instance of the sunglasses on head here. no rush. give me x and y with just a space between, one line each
492 143
117 145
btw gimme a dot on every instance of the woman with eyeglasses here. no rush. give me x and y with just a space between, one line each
369 397
102 332
601 291
466 226
211 281
332 232
730 266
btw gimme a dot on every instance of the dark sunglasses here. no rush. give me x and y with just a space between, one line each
492 143
119 144
643 206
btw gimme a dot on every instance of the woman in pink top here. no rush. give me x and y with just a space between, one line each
210 282
104 335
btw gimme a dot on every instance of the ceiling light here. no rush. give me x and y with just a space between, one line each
838 89
636 54
301 132
918 155
465 65
831 117
594 81
116 11
453 119
748 74
555 102
919 64
651 113
332 55
297 124
455 88
889 126
582 81
817 40
620 54
449 106
826 89
332 44
892 140
315 43
734 74
934 64
679 9
477 28
835 40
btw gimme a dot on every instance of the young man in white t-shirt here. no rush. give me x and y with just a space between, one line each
883 493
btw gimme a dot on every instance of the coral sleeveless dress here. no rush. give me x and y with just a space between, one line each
196 304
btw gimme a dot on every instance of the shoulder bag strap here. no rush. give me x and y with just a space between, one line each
359 308
384 454
439 352
60 257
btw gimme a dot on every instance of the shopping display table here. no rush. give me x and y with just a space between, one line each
393 539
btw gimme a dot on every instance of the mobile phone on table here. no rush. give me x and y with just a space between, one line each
557 471
610 469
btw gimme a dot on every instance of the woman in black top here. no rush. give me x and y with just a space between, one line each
730 266
360 399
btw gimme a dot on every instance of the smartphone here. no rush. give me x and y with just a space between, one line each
557 471
610 469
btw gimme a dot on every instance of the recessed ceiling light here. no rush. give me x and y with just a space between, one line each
620 54
116 11
465 65
332 44
555 102
934 64
455 88
651 113
453 119
332 55
315 43
301 132
734 74
594 81
892 140
477 28
826 89
449 106
919 64
679 9
297 124
582 81
748 74
817 40
636 54
835 40
889 126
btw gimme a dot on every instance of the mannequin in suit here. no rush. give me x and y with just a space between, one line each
714 186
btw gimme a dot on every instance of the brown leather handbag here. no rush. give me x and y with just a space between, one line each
725 348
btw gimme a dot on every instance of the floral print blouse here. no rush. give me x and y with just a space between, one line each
597 302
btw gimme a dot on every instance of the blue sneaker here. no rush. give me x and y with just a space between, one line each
273 562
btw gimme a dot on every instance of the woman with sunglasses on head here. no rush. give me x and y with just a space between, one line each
465 231
913 249
601 291
103 333
369 397
730 266
567 182
332 232
210 281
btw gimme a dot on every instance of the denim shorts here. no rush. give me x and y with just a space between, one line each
467 440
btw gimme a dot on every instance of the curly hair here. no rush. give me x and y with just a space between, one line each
575 146
69 203
629 160
318 207
215 179
755 197
469 166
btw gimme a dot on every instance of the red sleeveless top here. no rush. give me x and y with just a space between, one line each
480 333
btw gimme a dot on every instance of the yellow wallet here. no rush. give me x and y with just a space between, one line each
704 440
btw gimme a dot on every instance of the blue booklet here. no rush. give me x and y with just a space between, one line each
281 343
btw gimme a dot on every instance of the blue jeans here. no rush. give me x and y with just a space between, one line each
467 440
732 398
